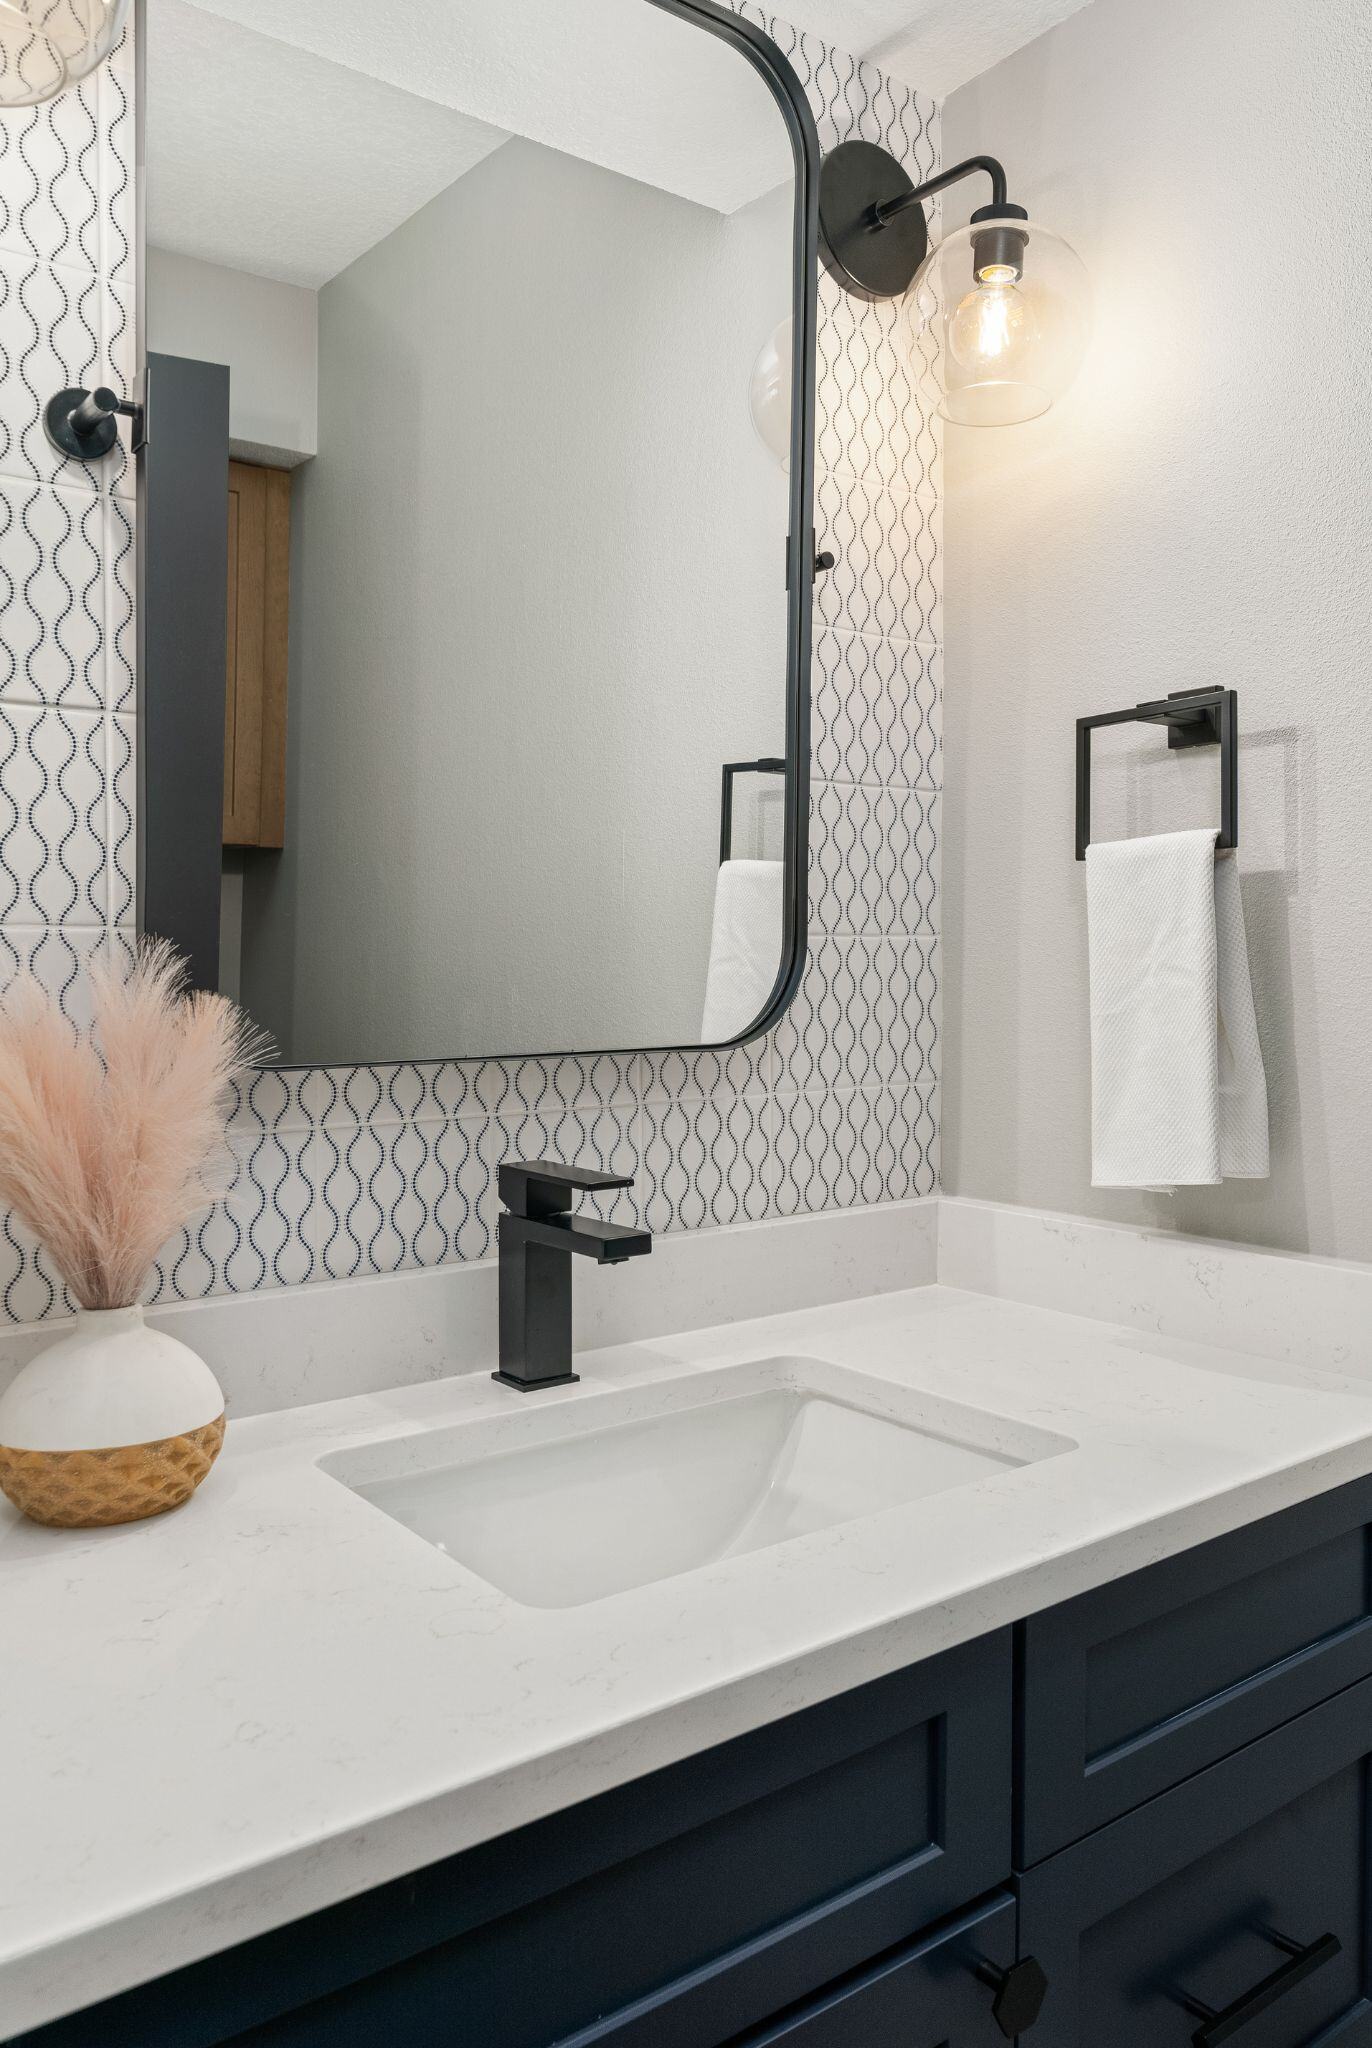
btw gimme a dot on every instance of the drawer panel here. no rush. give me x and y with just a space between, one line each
1169 1914
1130 1689
669 1913
926 1996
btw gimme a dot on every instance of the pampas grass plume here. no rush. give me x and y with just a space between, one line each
110 1138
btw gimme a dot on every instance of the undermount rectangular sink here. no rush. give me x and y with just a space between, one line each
606 1492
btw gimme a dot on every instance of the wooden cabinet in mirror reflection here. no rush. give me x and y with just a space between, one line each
258 638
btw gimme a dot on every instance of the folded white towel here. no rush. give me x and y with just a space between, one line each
745 947
1178 1091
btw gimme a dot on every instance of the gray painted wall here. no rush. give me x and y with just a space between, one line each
1198 511
537 600
265 331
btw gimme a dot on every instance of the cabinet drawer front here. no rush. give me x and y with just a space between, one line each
926 1996
1130 1689
673 1912
1169 1913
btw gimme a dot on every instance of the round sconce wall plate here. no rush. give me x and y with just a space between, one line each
869 261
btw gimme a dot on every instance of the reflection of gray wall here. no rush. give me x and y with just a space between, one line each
538 599
266 333
1196 512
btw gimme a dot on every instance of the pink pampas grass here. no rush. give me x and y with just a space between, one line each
109 1138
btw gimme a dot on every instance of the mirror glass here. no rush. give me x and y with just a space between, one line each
507 546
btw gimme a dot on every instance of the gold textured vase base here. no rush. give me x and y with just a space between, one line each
96 1489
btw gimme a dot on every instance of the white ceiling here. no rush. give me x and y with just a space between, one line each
285 137
267 159
936 45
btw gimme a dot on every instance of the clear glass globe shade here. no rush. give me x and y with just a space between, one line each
32 66
999 348
85 30
769 394
47 45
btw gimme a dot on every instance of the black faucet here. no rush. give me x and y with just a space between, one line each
537 1237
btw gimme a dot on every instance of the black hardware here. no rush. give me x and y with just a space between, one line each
823 562
873 234
81 423
1194 718
768 765
1221 2026
1020 1992
537 1238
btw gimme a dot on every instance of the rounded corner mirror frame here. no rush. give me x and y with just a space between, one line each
776 71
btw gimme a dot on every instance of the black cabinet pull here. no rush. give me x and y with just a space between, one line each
1020 1992
1304 1961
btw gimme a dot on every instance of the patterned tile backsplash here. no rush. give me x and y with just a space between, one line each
349 1171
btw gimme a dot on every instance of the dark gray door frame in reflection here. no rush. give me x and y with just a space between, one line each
162 765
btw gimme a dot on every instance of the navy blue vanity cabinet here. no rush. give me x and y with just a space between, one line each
931 1994
1234 1909
1159 1793
1126 1691
678 1911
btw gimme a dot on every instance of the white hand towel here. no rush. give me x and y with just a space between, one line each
1178 1091
745 947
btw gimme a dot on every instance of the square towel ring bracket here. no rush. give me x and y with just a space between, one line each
1194 718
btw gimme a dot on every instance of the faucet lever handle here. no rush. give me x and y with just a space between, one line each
539 1188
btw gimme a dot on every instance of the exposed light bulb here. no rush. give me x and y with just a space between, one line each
991 325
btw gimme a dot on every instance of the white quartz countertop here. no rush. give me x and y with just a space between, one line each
214 1723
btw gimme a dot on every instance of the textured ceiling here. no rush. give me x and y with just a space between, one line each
935 45
267 159
285 137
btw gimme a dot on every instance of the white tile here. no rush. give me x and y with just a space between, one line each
51 162
61 958
121 631
867 1015
706 1161
847 1148
915 873
874 423
873 859
53 780
53 551
120 814
467 1209
877 710
360 1185
886 544
694 1073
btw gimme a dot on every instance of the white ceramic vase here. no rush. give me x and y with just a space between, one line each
113 1423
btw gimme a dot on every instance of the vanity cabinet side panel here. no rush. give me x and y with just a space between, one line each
1168 1915
1128 1690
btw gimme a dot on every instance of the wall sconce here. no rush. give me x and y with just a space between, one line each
47 45
1006 302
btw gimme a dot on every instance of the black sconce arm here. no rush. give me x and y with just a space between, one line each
891 209
873 234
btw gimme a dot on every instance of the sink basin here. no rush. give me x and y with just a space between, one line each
607 1497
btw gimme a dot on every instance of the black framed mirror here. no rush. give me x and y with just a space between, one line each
517 595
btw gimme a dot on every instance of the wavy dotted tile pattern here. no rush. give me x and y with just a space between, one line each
341 1172
67 738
